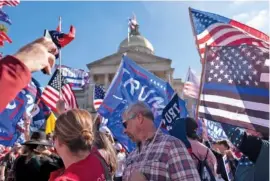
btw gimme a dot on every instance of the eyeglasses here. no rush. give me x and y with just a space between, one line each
125 121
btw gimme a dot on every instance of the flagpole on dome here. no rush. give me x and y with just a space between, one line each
128 30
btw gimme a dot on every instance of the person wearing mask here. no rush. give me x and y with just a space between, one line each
36 162
15 70
158 156
74 142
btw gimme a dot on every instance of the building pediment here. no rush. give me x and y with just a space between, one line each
138 57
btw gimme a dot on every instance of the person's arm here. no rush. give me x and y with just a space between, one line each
15 71
27 123
14 76
3 167
247 144
180 164
2 172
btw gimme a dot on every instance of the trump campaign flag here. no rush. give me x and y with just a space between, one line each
215 130
76 78
133 83
11 115
35 107
26 103
172 114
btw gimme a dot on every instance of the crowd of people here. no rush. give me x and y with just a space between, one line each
81 150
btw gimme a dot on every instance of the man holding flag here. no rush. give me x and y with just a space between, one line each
158 156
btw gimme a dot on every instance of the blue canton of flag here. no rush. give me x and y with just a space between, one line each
4 17
132 83
236 88
99 94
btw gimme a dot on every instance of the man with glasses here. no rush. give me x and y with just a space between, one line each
158 156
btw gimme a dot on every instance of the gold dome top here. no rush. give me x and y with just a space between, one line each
138 43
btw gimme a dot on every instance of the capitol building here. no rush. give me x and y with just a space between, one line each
140 50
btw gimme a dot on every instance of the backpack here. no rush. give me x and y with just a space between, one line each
204 169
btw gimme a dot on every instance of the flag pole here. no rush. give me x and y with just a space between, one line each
60 58
194 33
128 31
202 82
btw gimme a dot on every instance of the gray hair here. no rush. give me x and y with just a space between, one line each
139 108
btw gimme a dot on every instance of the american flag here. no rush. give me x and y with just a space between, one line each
99 94
236 87
132 22
216 30
192 84
51 95
9 3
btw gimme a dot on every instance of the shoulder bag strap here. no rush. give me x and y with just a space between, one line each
206 154
105 166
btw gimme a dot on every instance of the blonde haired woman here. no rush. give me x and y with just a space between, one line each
73 140
104 143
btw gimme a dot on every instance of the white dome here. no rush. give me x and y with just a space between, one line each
138 43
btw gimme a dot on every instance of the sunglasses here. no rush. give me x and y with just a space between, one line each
126 120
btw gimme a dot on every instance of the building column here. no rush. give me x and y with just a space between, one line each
91 93
91 78
169 77
106 80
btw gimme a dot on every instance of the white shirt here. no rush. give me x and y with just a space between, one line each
121 159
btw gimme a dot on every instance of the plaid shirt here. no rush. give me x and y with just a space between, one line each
167 160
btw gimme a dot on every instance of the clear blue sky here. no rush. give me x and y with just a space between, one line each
101 26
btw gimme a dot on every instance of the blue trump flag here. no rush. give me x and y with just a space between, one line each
133 83
10 117
26 102
173 115
35 107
